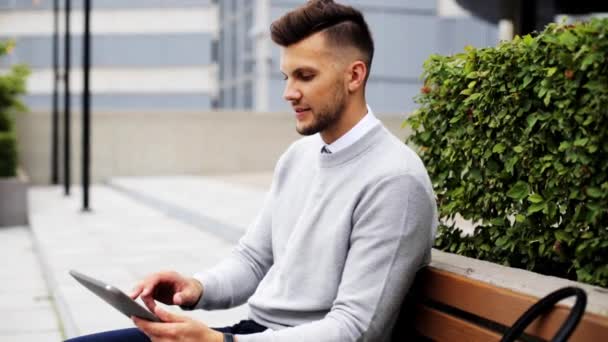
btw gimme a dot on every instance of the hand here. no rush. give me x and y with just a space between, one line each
168 287
176 328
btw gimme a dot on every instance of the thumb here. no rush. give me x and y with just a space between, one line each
178 298
186 296
167 316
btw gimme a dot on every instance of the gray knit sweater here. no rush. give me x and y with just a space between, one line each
335 247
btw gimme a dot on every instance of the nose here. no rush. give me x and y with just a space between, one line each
291 93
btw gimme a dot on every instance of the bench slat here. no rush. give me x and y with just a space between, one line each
503 306
440 326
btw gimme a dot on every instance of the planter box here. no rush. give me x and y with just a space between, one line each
13 201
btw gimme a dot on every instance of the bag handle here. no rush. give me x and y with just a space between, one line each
543 305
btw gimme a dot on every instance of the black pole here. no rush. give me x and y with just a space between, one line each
86 107
66 136
55 115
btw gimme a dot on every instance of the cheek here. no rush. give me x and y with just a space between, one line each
319 91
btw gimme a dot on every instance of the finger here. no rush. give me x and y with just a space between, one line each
167 316
149 301
150 283
151 329
148 288
136 291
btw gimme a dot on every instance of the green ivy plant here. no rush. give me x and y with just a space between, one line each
515 138
12 85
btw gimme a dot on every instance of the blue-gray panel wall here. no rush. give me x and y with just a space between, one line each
118 50
402 43
127 102
108 4
456 33
276 103
385 98
390 98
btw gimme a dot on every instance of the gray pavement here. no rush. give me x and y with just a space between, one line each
26 306
136 226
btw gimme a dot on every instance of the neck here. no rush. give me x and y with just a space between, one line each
352 114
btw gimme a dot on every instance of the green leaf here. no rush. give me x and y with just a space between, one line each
551 71
535 198
532 118
499 148
425 136
562 235
466 92
592 148
518 149
520 218
581 142
564 146
472 74
497 222
568 39
501 241
587 61
594 192
536 208
519 191
547 99
475 96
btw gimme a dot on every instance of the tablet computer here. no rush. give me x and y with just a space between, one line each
113 296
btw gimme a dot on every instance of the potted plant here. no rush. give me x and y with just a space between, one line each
13 185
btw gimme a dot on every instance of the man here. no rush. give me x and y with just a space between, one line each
349 219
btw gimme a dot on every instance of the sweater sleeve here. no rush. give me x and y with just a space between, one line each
235 279
390 240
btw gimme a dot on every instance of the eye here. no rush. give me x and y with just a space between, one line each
307 77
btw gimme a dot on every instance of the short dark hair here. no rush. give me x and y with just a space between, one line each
342 25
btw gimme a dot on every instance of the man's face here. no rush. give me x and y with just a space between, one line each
314 84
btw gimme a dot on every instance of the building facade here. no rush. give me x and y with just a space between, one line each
204 54
406 32
146 54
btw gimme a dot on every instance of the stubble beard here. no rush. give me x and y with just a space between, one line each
326 116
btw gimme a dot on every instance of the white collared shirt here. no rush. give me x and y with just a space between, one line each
364 125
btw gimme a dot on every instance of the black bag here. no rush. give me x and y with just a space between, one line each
542 306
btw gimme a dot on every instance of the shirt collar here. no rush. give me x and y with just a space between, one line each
364 125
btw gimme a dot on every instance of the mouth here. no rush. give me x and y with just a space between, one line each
301 111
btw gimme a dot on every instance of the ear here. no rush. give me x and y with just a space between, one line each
357 71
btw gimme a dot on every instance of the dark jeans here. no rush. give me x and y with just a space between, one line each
135 335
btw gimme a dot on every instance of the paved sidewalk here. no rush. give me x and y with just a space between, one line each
138 226
26 307
225 205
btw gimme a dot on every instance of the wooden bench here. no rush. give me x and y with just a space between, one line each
444 306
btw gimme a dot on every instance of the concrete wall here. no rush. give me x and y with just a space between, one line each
166 143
